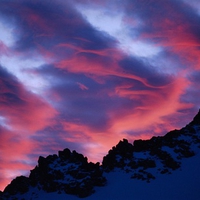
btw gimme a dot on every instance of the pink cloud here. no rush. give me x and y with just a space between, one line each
93 100
154 106
82 86
31 113
14 149
100 66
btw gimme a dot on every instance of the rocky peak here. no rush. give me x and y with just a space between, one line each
67 172
71 173
163 153
123 150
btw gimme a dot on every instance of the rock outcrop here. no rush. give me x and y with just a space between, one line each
162 153
71 173
67 172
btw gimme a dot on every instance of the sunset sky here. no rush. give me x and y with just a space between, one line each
84 74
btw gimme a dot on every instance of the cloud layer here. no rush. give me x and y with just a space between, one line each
84 76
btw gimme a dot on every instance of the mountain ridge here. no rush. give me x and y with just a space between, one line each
71 173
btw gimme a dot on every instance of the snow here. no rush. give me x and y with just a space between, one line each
142 155
170 151
182 184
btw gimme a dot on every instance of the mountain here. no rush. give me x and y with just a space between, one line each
164 168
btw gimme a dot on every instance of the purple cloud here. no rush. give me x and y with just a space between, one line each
84 76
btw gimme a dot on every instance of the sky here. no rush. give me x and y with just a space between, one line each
84 74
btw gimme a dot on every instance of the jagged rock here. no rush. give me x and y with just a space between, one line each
81 176
146 163
196 120
20 185
124 155
81 190
2 195
141 145
109 161
116 156
169 162
69 172
185 152
124 149
172 135
65 154
143 175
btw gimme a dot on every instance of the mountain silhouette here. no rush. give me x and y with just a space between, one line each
70 174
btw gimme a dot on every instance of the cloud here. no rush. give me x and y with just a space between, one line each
69 80
171 24
13 156
21 114
158 103
22 109
40 24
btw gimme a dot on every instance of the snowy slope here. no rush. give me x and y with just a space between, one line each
164 168
183 184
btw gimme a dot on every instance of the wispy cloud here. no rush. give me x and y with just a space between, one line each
85 75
